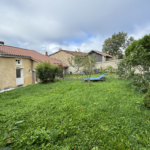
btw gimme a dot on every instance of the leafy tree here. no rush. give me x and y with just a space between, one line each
137 61
144 42
117 43
88 64
46 70
84 62
76 61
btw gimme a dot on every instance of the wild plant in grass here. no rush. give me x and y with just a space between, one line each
147 98
7 133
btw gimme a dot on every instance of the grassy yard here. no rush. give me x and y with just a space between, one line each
69 115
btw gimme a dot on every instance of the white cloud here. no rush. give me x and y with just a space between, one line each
93 43
140 31
59 23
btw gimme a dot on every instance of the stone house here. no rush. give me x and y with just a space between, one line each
64 55
100 56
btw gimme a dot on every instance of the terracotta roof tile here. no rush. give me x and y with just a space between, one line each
15 51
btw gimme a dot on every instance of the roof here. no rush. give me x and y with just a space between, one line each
74 53
15 51
102 53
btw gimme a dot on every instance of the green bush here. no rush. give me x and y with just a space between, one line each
110 69
137 61
131 48
144 42
46 70
124 70
147 98
102 70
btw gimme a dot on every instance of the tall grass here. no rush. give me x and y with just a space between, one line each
70 115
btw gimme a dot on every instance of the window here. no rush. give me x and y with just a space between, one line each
18 61
18 73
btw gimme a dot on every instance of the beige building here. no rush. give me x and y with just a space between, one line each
17 66
64 55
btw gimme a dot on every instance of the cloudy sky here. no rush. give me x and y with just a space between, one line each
47 25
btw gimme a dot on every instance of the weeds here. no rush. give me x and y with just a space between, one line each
70 115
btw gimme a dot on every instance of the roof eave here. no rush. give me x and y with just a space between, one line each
18 56
100 53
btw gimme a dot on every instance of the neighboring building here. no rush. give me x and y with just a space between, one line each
100 56
17 66
64 55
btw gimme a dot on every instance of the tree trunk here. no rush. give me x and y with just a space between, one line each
89 80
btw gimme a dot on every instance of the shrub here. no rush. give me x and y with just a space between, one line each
147 98
102 70
123 69
110 69
136 61
45 70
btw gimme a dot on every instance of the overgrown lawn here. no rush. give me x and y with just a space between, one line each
70 115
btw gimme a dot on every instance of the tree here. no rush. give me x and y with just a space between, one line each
137 61
76 61
117 43
144 42
88 64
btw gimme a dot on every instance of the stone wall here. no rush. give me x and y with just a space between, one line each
104 64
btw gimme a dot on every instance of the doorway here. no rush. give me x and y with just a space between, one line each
19 76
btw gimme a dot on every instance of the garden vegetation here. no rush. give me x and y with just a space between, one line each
69 115
46 70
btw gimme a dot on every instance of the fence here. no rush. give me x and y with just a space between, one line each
105 64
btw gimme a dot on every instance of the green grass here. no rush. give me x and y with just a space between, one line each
70 115
93 75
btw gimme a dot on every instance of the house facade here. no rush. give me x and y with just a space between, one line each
17 66
100 56
64 56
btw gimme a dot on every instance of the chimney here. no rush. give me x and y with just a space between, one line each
46 54
1 43
60 49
